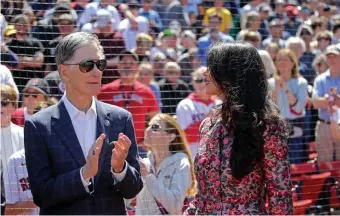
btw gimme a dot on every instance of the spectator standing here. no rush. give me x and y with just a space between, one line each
290 95
173 89
128 93
327 147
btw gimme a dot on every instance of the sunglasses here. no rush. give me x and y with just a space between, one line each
86 66
199 80
5 102
33 94
156 127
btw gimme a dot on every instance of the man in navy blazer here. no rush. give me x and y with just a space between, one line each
81 153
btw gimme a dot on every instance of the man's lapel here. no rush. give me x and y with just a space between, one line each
104 123
61 123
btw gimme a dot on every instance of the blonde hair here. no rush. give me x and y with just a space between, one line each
199 71
145 67
144 37
8 92
293 58
172 66
179 144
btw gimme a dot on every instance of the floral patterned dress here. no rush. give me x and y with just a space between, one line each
219 193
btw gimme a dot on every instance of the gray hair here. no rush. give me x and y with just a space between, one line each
296 40
68 45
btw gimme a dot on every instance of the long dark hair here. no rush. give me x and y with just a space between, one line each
237 69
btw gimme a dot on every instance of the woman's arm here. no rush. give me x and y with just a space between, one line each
277 171
301 97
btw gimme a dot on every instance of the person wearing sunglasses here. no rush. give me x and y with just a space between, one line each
168 171
192 110
242 158
81 153
35 91
12 136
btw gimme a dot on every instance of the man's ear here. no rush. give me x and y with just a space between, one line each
63 73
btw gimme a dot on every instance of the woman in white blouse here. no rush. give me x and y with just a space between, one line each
167 173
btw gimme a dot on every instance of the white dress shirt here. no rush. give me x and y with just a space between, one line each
84 125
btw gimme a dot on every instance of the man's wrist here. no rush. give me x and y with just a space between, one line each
118 170
83 173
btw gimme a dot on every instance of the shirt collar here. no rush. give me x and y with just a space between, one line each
73 111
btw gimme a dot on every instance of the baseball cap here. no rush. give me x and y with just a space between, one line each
67 17
103 17
38 84
128 53
292 10
332 49
264 7
62 8
133 4
168 33
276 2
275 22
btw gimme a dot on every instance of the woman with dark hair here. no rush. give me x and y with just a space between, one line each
242 154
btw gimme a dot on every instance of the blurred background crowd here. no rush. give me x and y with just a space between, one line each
161 46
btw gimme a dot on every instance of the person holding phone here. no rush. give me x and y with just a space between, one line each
81 153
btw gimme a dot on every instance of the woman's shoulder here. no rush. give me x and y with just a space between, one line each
210 121
277 127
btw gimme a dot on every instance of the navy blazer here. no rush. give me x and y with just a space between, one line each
54 158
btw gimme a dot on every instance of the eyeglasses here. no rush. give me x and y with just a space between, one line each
5 102
86 66
33 94
199 80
